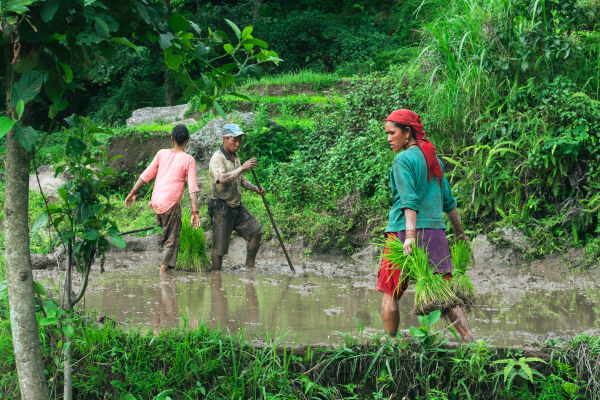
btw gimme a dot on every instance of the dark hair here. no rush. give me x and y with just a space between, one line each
405 127
180 134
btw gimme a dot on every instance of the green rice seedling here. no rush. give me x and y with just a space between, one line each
192 247
460 283
432 291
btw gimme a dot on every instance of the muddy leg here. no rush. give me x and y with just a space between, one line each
251 249
163 268
390 314
217 260
462 324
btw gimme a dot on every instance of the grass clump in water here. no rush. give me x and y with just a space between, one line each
460 283
432 291
192 246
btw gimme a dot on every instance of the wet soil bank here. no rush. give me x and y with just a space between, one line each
514 305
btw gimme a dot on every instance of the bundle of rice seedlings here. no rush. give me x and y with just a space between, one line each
432 291
460 283
192 247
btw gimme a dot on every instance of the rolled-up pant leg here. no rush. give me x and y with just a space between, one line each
170 222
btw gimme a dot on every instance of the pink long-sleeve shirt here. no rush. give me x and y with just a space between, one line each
170 169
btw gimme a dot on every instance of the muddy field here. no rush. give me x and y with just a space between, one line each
514 305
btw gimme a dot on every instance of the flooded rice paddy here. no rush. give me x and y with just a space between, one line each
514 306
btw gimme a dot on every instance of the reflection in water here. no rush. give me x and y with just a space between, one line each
166 314
310 308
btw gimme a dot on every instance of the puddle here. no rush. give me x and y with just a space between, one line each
513 306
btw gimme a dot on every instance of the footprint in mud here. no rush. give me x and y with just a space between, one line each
333 311
305 289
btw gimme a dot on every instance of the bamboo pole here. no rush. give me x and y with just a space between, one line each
273 222
137 230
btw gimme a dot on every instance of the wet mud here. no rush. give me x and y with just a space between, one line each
513 306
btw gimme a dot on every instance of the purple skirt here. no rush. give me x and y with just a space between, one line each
435 243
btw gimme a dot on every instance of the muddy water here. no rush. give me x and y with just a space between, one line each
513 306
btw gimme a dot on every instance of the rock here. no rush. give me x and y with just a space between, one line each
207 140
135 243
48 182
367 255
136 151
513 237
49 261
490 255
149 115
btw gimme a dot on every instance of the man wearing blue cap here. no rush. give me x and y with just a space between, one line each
227 213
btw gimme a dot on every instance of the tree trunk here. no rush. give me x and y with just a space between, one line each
21 300
169 89
26 342
256 9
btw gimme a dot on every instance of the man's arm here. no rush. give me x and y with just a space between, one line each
194 204
229 176
454 218
130 199
246 184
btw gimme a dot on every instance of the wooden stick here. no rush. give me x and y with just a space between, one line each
137 230
273 222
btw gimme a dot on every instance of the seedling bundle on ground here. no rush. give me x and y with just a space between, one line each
460 283
192 247
432 291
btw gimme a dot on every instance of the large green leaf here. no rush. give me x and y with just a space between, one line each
178 22
117 241
48 9
87 39
20 108
246 32
17 6
166 40
28 86
68 76
40 222
6 125
173 61
91 234
27 136
75 147
235 28
127 43
101 27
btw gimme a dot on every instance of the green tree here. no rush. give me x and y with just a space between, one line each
44 42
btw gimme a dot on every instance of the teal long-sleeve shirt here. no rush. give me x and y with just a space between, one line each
410 189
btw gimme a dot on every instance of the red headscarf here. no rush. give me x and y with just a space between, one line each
409 118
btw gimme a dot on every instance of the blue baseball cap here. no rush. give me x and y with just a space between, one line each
232 130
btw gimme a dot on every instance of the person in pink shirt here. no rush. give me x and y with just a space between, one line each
170 167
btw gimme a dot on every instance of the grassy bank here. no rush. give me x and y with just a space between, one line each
208 363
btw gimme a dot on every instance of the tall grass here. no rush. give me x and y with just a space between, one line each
211 364
192 246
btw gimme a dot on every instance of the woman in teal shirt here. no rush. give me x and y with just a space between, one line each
421 194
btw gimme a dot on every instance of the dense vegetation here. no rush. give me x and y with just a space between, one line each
508 92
